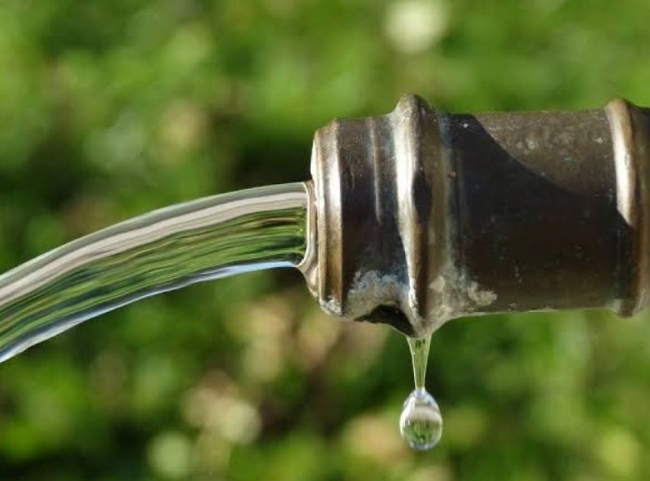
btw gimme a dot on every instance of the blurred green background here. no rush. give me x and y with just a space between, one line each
111 108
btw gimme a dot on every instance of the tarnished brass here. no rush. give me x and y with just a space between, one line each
422 216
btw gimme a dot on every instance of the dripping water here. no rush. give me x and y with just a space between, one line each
420 422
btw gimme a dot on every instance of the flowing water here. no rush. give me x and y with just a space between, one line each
171 248
167 249
420 422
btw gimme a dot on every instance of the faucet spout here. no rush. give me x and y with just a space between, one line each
424 216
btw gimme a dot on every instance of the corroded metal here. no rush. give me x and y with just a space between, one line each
423 216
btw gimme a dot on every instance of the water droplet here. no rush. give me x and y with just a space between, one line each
421 422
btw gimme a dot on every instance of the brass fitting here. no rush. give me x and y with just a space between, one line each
423 216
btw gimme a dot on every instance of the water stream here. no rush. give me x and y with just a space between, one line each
170 248
167 249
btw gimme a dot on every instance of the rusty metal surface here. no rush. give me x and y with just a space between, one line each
422 216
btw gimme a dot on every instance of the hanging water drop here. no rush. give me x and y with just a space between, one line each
420 422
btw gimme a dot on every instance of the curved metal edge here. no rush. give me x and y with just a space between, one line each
619 116
325 278
438 287
421 202
630 128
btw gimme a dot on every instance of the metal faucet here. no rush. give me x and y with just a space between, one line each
412 219
423 216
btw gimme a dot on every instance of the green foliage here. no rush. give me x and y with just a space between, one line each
110 108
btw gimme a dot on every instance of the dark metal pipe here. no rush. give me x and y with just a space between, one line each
423 216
